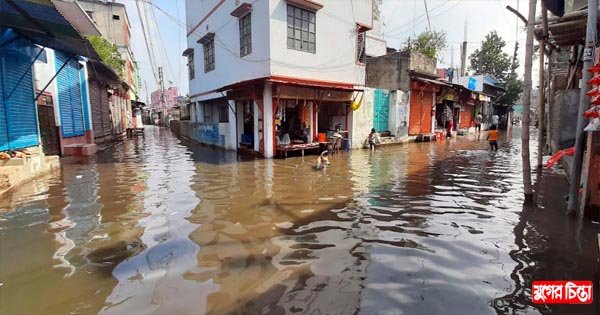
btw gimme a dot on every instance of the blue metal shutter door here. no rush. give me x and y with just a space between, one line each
64 96
19 98
76 98
3 121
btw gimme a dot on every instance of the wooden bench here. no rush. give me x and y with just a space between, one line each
297 147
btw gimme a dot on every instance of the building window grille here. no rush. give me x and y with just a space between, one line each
209 55
191 67
361 41
245 35
301 29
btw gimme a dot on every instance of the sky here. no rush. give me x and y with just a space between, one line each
402 19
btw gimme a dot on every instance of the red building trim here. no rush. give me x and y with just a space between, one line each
307 4
206 17
287 80
242 10
314 83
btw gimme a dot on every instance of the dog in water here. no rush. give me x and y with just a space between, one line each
322 161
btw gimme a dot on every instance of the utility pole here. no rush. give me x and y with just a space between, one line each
541 99
427 12
463 57
527 187
162 95
584 101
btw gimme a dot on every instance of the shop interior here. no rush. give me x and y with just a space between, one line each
292 120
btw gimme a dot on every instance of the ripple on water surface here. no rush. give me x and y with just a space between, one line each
156 226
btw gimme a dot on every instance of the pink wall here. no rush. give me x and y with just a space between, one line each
171 95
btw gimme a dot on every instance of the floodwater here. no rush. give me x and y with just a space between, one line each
156 226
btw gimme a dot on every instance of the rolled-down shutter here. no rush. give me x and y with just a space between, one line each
421 104
106 124
69 96
414 124
100 109
96 103
19 111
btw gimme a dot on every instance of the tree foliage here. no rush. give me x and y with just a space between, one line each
427 43
513 87
109 53
490 59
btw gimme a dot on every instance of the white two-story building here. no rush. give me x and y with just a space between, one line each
259 69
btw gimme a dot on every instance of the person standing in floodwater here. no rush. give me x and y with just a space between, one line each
495 120
449 127
493 138
372 139
478 121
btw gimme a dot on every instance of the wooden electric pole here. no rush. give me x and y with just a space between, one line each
527 188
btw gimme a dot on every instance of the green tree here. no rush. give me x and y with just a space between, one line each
513 87
490 59
427 43
109 54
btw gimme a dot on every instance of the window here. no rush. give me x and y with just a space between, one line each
245 35
116 17
301 31
223 113
207 112
209 55
191 68
361 38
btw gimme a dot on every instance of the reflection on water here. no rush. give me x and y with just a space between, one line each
157 226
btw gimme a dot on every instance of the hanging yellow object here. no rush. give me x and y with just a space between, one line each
356 105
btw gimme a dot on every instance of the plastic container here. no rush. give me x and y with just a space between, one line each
322 137
346 144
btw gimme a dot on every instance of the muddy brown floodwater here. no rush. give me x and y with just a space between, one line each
157 226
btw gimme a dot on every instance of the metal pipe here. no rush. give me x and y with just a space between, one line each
541 100
584 101
52 79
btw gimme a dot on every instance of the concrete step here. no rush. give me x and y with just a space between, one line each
80 149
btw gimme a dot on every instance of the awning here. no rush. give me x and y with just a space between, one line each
292 81
424 80
102 70
75 14
40 22
314 83
12 43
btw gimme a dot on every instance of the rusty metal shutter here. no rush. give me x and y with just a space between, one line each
421 104
106 124
96 103
100 109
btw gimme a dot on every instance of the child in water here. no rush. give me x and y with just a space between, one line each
493 138
372 139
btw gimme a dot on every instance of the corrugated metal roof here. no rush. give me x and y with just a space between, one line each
40 22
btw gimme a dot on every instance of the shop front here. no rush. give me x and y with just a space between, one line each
465 113
275 117
423 109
